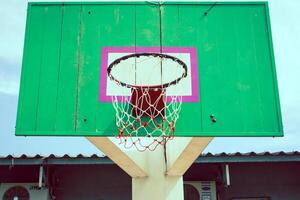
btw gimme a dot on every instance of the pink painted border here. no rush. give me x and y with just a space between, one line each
194 67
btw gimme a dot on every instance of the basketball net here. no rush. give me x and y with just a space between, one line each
147 117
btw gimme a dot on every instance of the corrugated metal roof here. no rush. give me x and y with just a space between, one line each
238 157
252 153
99 159
23 156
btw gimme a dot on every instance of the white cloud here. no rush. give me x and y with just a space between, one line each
9 76
9 84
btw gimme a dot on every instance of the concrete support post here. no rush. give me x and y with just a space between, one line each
157 185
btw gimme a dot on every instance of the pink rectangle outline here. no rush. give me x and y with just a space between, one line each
104 63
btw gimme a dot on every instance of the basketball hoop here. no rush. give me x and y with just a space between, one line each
148 112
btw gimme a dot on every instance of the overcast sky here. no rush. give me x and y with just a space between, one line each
285 25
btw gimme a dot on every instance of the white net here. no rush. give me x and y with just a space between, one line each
147 117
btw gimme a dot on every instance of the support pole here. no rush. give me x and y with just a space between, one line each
157 185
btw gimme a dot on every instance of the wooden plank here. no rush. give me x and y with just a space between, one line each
178 30
46 105
69 57
119 157
22 81
119 22
30 71
220 62
88 76
264 75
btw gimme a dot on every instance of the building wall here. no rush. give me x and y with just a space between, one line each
280 181
19 174
105 182
74 182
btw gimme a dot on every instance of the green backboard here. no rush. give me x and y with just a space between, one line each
227 47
